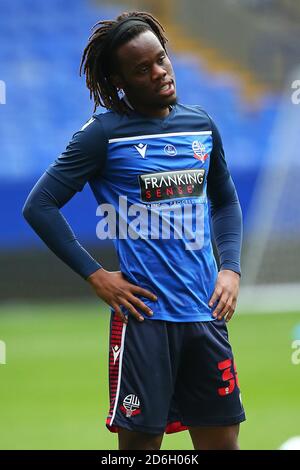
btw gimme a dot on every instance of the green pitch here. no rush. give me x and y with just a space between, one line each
54 386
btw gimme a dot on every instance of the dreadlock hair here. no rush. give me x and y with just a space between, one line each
98 59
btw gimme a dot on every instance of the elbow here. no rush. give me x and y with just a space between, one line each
28 211
37 203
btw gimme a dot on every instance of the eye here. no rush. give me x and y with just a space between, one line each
143 69
161 59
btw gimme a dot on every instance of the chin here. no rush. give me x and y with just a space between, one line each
171 100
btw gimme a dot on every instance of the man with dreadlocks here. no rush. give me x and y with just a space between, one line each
171 365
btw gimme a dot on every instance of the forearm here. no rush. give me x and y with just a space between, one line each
227 232
41 210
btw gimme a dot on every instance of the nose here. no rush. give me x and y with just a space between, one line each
158 72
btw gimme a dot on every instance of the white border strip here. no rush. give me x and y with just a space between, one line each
119 374
154 136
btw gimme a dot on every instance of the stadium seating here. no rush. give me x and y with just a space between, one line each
40 49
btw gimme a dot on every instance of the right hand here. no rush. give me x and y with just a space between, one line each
115 290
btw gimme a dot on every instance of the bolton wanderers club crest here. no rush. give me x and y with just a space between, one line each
131 406
199 151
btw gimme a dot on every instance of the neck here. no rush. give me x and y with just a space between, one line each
152 113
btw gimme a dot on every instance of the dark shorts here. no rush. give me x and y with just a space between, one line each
166 376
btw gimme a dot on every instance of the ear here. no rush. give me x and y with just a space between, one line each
117 81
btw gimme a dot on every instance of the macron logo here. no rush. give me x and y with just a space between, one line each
141 148
116 352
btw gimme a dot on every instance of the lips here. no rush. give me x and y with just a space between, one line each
167 89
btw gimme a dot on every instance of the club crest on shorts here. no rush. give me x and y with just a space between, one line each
131 406
199 151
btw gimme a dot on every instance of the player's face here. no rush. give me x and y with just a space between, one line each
146 75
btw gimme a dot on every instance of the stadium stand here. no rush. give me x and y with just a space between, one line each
47 101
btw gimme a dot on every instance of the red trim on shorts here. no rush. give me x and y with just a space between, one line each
115 340
111 428
177 426
170 428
